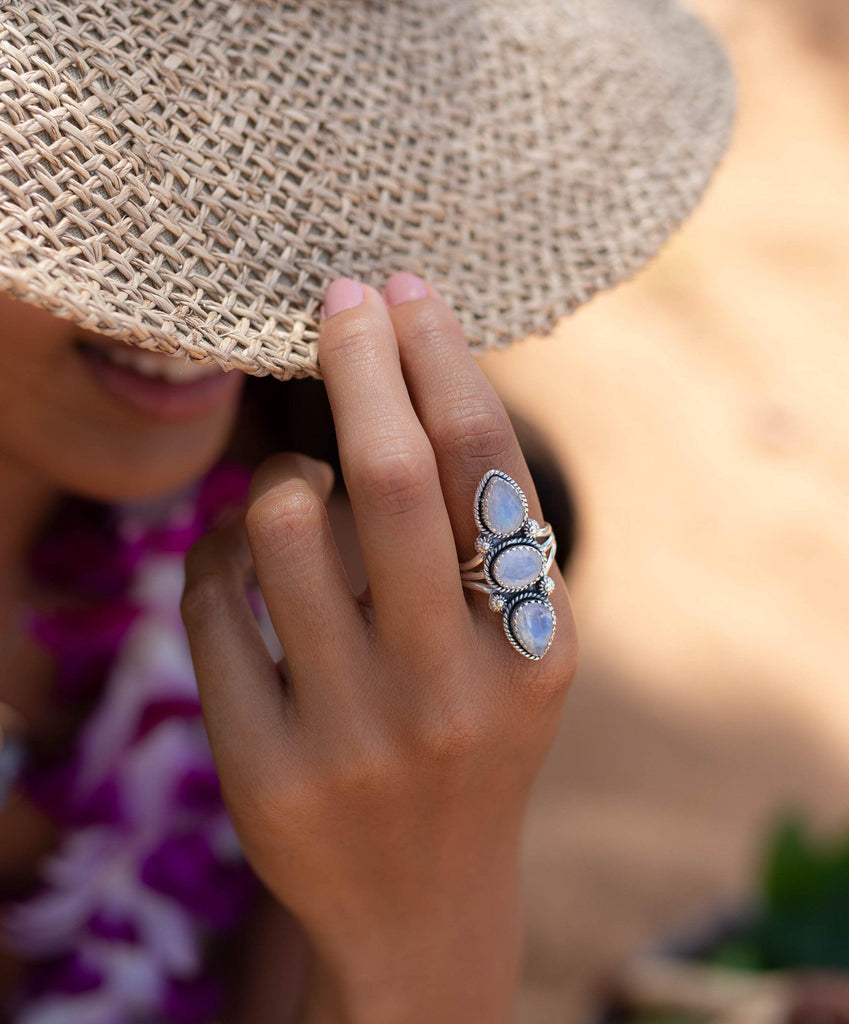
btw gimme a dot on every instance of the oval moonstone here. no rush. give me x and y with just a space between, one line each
517 566
532 623
502 508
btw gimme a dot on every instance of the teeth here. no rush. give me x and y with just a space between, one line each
174 369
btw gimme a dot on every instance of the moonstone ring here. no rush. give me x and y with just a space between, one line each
514 554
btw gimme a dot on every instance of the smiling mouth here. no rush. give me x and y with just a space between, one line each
162 387
175 369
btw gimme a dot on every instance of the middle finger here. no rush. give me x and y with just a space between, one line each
390 470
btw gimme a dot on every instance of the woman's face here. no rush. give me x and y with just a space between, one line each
98 418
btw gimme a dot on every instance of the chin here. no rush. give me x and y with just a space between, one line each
126 464
118 487
155 424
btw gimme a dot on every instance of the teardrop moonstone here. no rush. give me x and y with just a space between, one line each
517 566
532 623
502 508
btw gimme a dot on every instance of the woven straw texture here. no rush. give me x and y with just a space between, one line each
190 175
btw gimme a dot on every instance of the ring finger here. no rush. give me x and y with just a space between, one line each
465 419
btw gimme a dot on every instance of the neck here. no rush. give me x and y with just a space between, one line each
26 502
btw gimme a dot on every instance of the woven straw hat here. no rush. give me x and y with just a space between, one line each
190 175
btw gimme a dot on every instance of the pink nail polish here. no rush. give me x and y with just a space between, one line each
342 294
404 287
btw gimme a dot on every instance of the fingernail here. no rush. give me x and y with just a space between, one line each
342 294
404 287
328 476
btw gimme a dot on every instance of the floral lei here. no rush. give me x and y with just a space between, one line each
149 872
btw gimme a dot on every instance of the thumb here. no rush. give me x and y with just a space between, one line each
288 465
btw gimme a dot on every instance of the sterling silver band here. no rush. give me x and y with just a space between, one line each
514 555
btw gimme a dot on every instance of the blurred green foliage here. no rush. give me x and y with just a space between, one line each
802 918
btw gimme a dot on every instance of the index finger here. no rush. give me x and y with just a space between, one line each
239 685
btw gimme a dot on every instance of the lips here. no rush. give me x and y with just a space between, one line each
162 387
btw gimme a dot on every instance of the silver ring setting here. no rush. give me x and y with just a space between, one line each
514 554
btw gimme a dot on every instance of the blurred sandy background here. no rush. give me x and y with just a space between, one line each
702 416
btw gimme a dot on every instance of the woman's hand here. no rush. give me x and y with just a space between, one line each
378 785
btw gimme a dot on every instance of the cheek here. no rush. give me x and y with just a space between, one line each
57 422
118 464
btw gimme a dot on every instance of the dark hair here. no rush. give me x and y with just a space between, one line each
297 417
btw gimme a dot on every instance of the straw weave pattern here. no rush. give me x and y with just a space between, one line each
191 175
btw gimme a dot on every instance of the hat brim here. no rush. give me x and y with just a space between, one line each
191 176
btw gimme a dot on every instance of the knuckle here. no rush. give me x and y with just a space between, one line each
284 517
428 327
348 338
398 476
479 430
358 772
203 594
365 772
456 739
453 731
213 567
275 784
553 676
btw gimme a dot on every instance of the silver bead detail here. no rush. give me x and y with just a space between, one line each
496 602
532 527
